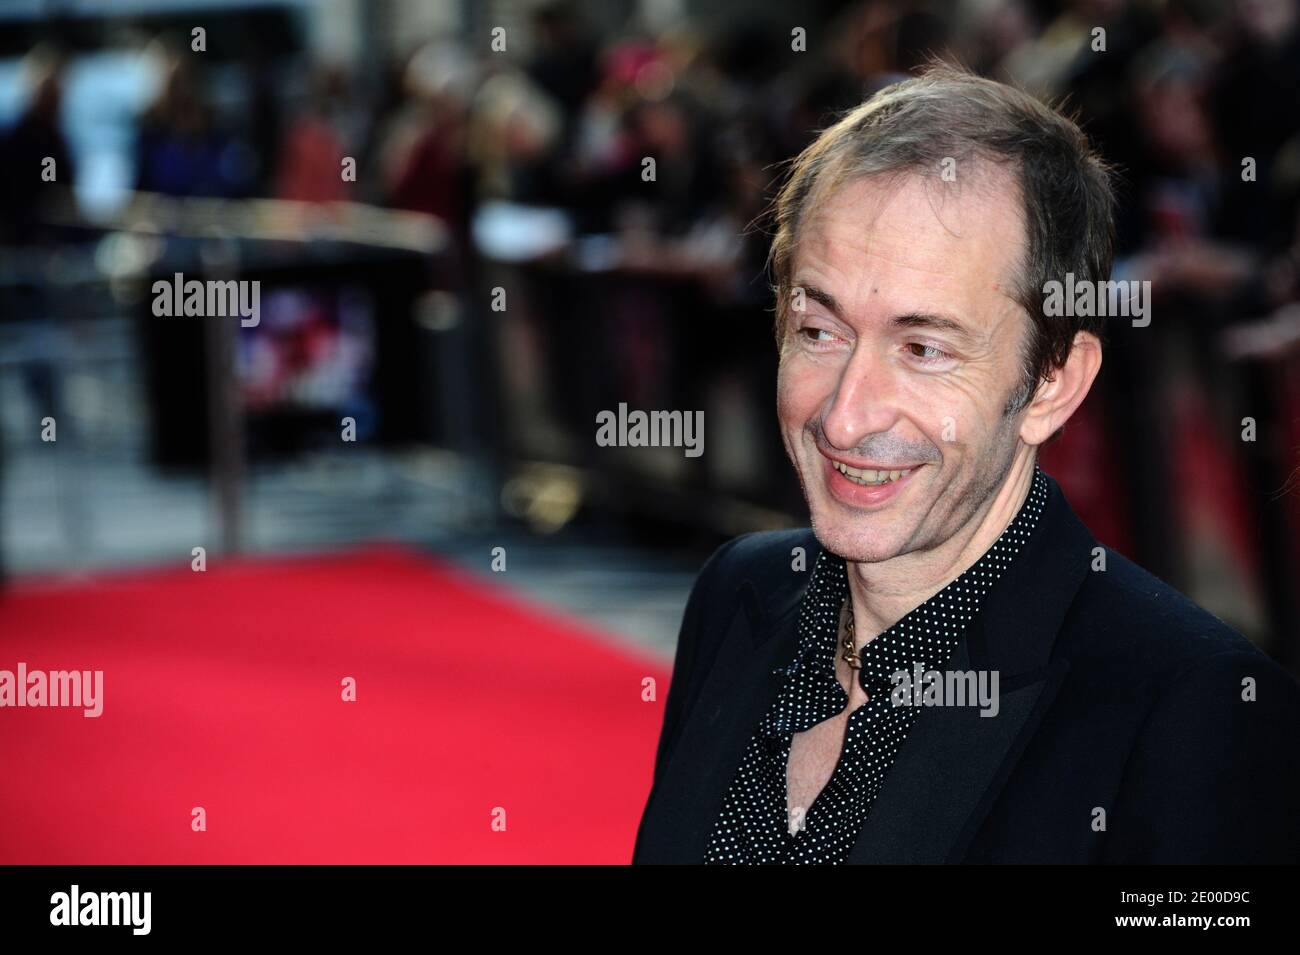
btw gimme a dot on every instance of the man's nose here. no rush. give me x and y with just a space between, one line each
864 403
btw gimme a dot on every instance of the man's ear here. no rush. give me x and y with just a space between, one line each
1057 398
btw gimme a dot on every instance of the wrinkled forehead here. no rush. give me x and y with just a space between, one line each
919 233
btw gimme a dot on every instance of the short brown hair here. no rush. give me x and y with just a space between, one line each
949 114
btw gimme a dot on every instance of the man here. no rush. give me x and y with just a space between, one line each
947 667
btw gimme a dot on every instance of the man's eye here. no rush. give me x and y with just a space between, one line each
816 334
927 352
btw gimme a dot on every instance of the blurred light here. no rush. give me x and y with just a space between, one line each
546 496
509 232
655 80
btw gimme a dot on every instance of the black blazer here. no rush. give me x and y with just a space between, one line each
1121 706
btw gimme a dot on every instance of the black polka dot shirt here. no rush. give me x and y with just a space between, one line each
754 824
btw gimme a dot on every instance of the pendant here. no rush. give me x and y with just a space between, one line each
850 655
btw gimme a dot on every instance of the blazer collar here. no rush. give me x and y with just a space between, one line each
1016 629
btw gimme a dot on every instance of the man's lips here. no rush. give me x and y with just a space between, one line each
868 465
865 484
853 464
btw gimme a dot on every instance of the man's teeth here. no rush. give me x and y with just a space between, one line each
868 476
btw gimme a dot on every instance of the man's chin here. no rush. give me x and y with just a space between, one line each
857 545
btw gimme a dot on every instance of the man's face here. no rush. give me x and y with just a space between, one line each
903 359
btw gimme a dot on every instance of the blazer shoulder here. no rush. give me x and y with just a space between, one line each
756 567
1129 616
763 558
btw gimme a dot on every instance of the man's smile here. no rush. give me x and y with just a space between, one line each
865 486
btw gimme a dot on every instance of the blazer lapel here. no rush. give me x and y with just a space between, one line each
954 762
744 680
948 773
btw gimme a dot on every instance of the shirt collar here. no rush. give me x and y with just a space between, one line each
927 634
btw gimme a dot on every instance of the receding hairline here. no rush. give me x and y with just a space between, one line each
991 176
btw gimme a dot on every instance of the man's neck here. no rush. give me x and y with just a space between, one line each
883 592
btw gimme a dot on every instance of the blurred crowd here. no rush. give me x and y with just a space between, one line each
1180 94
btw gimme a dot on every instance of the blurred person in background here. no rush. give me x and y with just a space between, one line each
317 139
27 147
180 149
515 142
33 149
37 176
565 62
422 148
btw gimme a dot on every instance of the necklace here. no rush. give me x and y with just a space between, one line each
849 649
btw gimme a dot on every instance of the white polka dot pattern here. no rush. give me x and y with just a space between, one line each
753 825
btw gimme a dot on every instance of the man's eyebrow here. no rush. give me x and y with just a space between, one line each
940 323
821 297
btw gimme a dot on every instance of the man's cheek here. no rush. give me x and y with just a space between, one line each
948 413
790 401
801 386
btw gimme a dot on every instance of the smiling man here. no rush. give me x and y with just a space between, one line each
919 375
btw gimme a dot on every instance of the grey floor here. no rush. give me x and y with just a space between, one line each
71 517
633 594
90 502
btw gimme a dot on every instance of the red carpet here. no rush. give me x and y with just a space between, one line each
223 690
